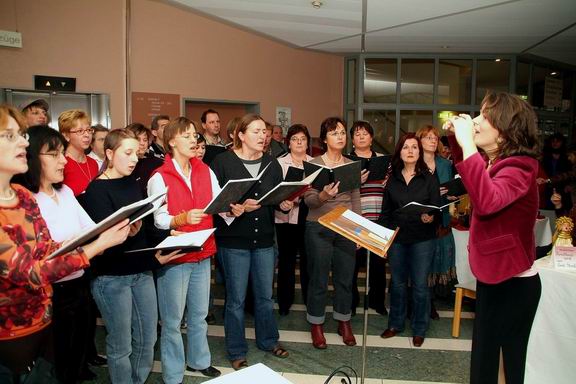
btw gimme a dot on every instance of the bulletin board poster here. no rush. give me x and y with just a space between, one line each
146 106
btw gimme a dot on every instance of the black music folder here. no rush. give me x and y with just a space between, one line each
347 174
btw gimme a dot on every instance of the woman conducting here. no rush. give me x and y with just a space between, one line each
410 256
504 196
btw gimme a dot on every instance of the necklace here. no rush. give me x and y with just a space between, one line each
328 161
87 175
10 196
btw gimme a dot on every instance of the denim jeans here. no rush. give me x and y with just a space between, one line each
258 265
327 251
410 262
129 310
183 286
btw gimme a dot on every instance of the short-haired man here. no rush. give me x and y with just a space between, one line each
278 134
273 147
211 125
35 111
80 169
97 145
156 148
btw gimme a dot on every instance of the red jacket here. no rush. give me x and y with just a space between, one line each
504 209
180 199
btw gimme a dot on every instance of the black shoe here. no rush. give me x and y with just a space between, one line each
208 372
98 361
211 319
86 375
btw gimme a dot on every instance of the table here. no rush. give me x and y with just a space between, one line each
257 373
552 347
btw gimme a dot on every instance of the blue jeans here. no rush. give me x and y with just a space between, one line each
410 261
258 265
183 286
129 310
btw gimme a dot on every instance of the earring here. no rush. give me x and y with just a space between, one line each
499 140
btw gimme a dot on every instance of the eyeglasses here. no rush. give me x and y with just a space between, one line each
430 138
14 136
83 131
298 139
53 155
188 136
337 133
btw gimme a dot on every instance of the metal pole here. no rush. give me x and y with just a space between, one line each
365 331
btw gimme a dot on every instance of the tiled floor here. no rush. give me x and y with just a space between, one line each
441 359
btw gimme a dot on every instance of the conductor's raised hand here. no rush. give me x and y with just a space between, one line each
195 216
250 205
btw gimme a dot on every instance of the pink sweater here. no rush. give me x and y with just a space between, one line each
504 209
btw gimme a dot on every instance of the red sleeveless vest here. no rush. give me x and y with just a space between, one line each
180 199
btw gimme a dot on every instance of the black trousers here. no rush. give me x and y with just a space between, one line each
377 293
290 239
72 324
504 316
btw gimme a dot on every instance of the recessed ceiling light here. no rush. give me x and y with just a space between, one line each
316 3
497 60
553 73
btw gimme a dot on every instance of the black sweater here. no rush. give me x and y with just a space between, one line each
423 189
254 229
101 199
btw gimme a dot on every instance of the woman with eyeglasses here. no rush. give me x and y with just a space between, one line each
65 218
26 273
290 226
185 282
327 250
410 255
122 284
80 169
246 242
443 271
371 193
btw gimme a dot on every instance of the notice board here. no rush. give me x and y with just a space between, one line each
145 106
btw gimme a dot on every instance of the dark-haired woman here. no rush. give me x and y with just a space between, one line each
327 250
246 242
410 256
290 226
371 193
26 273
504 198
65 218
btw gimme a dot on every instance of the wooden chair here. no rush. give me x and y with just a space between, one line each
466 286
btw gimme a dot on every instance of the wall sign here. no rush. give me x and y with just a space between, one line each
10 39
145 106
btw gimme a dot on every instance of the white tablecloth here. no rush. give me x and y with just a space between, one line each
552 346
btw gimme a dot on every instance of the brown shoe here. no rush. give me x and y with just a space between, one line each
318 339
345 330
417 341
388 333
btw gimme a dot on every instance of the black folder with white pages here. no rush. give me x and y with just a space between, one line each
186 242
417 208
233 192
134 212
287 190
347 174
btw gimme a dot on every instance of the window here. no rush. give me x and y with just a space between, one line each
384 124
380 81
417 81
492 75
455 82
411 121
